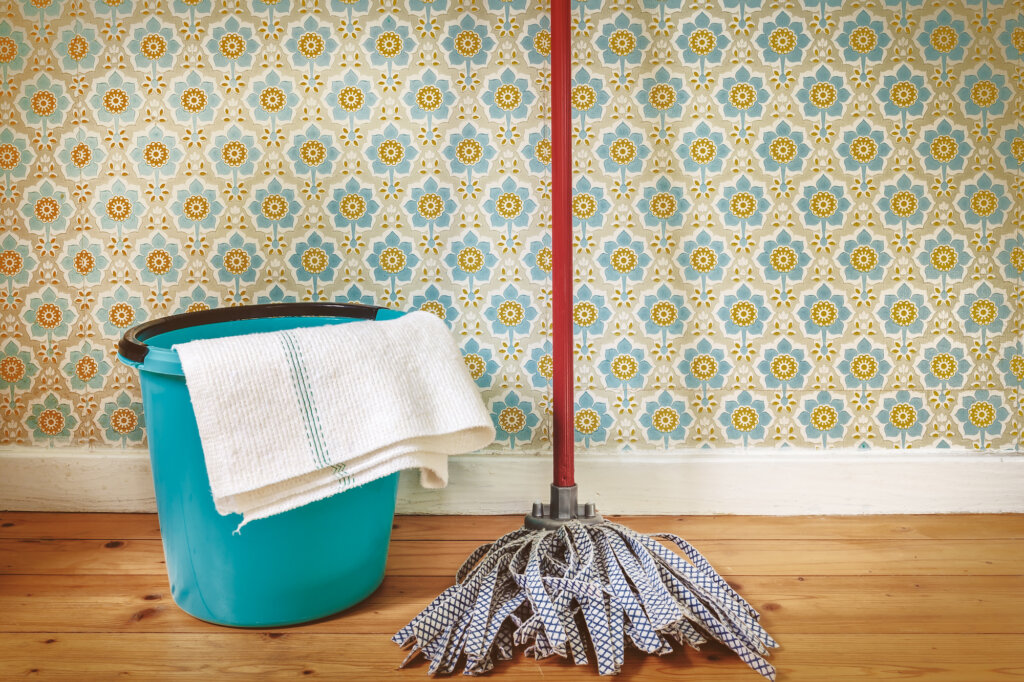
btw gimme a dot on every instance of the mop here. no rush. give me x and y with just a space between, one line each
569 582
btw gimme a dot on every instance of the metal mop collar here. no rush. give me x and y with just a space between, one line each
569 582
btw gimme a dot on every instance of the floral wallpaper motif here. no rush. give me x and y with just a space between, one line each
796 224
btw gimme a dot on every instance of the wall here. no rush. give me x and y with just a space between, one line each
796 224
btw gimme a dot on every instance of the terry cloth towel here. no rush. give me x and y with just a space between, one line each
290 417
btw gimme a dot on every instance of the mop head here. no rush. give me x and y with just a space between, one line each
555 591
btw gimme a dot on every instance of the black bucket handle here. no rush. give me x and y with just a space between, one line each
132 345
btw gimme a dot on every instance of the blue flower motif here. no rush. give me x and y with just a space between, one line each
743 204
662 205
78 48
1012 148
313 152
782 40
480 362
984 93
232 46
784 366
783 150
314 260
538 151
944 258
273 99
864 149
351 98
944 40
742 313
160 261
623 259
540 365
16 157
154 46
982 415
984 202
197 299
48 315
864 366
904 312
431 205
389 44
355 295
904 95
1010 38
511 313
391 152
194 100
703 150
703 42
983 311
624 367
471 259
823 95
436 303
824 417
51 419
312 45
704 259
903 415
588 98
589 314
118 208
903 204
622 41
665 419
664 313
392 259
19 369
509 98
539 259
467 43
536 43
744 418
83 262
120 311
944 148
1012 258
122 420
589 207
86 368
826 313
510 204
944 366
44 102
824 203
1012 365
743 95
429 98
660 96
783 259
591 420
470 152
234 154
623 150
274 207
16 262
237 261
81 153
279 295
704 367
514 419
156 154
864 257
47 210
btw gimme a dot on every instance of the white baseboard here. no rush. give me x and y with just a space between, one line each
768 481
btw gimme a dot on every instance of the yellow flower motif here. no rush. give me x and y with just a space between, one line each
389 44
743 313
622 151
311 44
274 207
782 40
84 262
511 313
665 419
864 367
81 155
943 148
428 98
511 419
943 366
584 206
121 315
982 414
193 100
702 42
624 259
1017 149
587 421
903 415
943 258
434 308
664 313
744 419
903 94
8 50
231 45
823 94
544 259
983 312
944 39
10 156
783 259
508 97
903 203
196 207
782 149
158 261
313 153
624 367
1017 366
663 205
542 43
984 93
272 99
153 46
468 151
468 43
156 154
583 97
11 263
584 314
196 307
1017 259
118 208
703 259
46 209
44 103
392 260
124 420
12 369
475 364
984 203
351 99
236 261
784 367
546 366
51 422
430 205
315 260
703 150
742 205
234 153
86 368
78 47
509 205
742 96
49 316
1017 39
391 152
621 42
824 417
863 149
704 367
824 313
542 150
824 204
662 96
471 259
903 313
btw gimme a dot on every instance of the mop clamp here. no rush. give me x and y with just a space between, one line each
563 509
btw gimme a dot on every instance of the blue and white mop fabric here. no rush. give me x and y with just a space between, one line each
528 587
290 417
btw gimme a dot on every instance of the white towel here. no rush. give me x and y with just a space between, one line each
290 417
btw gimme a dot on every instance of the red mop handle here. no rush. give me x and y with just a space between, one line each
563 379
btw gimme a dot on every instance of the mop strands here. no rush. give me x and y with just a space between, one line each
544 588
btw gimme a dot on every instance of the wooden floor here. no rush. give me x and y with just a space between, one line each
84 597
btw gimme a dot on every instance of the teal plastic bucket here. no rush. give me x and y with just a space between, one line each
290 568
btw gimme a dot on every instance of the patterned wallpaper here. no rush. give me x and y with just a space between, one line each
797 224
